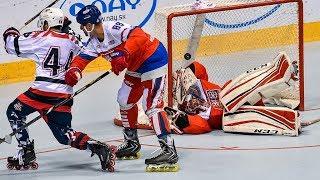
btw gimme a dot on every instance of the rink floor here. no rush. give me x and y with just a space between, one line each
215 155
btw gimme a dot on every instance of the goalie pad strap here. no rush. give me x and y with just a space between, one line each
262 120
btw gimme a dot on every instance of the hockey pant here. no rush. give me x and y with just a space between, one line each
152 92
58 121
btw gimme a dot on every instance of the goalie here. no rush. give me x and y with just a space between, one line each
250 103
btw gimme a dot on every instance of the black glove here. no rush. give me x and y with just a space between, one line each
10 31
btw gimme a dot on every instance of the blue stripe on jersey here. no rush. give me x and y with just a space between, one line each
158 59
86 56
163 129
156 87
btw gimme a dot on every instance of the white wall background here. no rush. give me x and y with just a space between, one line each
137 12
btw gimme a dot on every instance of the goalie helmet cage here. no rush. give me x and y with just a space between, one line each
235 36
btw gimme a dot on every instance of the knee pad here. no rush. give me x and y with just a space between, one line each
13 111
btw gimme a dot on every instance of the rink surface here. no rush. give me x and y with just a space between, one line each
215 155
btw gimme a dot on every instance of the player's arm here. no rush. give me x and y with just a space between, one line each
78 64
20 45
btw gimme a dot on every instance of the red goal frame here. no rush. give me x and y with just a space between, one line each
234 7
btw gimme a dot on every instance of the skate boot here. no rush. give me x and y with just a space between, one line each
105 153
25 158
130 147
166 161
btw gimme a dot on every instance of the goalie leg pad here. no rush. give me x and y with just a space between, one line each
262 120
265 81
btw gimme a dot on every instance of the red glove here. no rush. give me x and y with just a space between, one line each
73 75
118 61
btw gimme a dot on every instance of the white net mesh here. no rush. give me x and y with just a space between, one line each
232 41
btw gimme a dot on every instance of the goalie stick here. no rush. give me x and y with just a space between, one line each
308 123
8 138
35 16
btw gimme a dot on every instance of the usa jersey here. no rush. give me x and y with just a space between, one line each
51 52
139 47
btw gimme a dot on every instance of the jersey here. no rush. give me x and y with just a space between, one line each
51 52
120 36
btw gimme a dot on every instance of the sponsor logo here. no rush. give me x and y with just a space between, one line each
265 131
136 12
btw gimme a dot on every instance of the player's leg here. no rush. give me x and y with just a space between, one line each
60 125
263 82
17 113
263 120
128 96
153 106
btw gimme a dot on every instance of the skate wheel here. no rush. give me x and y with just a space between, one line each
10 166
111 169
113 148
113 156
26 167
34 166
112 163
18 167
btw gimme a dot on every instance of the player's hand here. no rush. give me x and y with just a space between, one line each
73 75
10 31
118 62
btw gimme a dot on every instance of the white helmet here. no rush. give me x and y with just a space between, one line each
53 16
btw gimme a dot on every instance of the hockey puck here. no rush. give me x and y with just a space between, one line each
187 56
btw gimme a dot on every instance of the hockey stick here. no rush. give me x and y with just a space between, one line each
8 138
308 123
35 16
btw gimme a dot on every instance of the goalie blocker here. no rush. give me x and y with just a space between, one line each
262 120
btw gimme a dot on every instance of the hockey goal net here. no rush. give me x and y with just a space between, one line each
231 37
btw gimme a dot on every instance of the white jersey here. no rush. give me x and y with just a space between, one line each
115 33
52 53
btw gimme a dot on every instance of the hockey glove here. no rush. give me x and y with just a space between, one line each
10 31
73 75
118 61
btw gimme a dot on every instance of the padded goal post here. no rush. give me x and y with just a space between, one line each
232 37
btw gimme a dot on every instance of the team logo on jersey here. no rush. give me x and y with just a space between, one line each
213 97
138 11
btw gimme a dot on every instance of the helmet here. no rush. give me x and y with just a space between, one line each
89 14
53 16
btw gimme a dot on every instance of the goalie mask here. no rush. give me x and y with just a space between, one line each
53 16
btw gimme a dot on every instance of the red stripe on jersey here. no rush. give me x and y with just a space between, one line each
41 106
49 94
60 35
79 62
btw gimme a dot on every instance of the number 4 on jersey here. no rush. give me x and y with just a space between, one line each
52 61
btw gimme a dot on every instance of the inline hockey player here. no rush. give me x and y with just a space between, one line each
52 51
146 61
204 106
